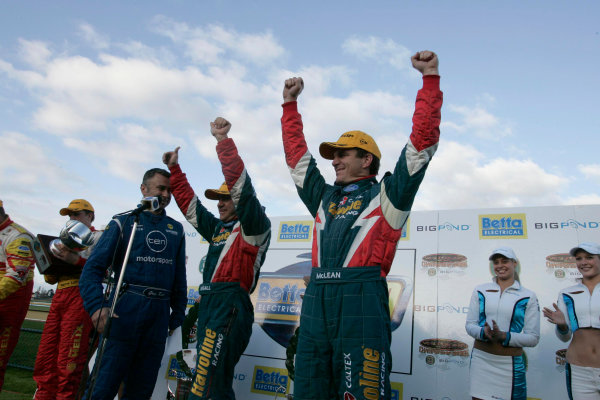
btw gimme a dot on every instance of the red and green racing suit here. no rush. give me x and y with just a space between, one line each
345 335
236 252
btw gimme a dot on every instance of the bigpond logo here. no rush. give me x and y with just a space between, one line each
269 381
503 226
294 231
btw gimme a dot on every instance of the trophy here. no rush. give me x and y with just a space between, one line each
75 236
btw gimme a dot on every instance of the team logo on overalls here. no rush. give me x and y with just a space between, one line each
221 237
156 241
345 208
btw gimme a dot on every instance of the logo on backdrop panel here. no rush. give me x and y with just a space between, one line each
502 226
405 236
397 391
444 354
567 224
294 231
562 266
444 264
444 227
270 381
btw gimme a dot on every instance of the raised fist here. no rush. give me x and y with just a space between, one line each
292 89
425 62
220 128
171 158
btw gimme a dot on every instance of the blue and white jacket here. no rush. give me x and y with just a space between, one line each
580 307
516 311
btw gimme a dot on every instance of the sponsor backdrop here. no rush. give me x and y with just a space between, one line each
442 256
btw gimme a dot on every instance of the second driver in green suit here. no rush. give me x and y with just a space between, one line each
238 241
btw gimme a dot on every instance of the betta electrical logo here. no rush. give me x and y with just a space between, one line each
192 295
502 226
269 381
397 390
405 231
278 296
294 231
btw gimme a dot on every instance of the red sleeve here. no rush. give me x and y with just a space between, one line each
427 116
294 144
181 189
231 163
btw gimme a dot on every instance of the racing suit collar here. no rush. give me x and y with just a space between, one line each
230 223
6 223
357 184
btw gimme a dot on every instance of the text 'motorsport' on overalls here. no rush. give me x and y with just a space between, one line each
236 252
344 336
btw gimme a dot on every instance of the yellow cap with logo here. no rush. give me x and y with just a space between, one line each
76 206
214 194
349 140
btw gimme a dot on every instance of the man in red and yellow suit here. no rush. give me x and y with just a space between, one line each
16 284
62 354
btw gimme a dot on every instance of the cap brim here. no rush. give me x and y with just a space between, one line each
214 194
327 149
64 211
574 250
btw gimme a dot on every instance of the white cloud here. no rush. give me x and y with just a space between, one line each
461 177
381 51
126 154
591 171
79 95
215 44
25 166
583 199
34 52
141 51
477 121
33 181
88 33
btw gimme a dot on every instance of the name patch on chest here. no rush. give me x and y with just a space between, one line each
328 275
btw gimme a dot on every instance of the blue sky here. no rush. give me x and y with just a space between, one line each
92 94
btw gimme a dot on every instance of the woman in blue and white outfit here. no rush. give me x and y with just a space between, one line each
578 314
503 318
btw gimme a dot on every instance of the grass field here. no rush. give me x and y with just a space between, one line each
18 382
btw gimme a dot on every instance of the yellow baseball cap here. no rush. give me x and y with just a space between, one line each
349 140
75 206
1 203
214 194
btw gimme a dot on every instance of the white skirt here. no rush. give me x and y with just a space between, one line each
583 383
497 377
